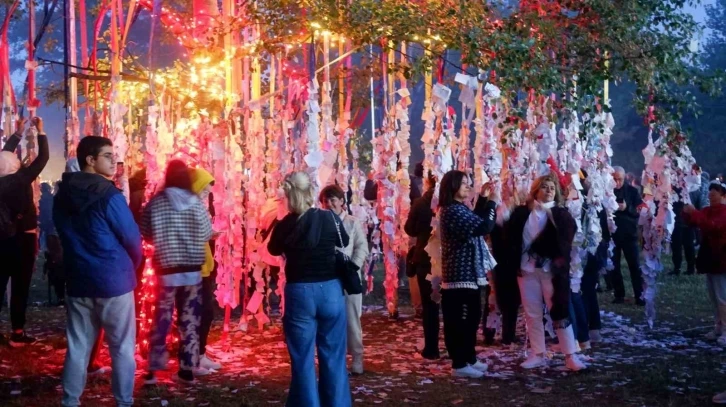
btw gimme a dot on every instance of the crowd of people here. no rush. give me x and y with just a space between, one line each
495 259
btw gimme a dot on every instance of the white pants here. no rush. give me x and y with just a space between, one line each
354 309
536 291
716 284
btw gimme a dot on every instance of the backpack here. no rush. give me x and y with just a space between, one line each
8 222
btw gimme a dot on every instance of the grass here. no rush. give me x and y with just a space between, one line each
666 366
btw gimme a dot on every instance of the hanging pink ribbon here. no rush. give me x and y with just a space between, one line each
4 56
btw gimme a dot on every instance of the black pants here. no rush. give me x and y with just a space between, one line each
488 333
462 312
207 312
683 240
18 262
508 301
430 317
627 247
590 278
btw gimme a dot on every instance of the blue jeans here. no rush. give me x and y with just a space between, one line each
86 316
315 315
590 279
578 318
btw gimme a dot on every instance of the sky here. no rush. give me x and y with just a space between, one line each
54 115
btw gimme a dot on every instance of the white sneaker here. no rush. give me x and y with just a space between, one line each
572 362
200 371
101 370
585 345
482 367
534 361
467 371
719 398
208 363
721 340
595 336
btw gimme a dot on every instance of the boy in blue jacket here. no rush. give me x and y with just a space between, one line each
102 249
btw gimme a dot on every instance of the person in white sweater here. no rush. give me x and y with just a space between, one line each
332 198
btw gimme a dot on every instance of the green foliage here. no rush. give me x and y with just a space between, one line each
542 43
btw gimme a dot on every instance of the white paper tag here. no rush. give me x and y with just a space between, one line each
442 92
461 78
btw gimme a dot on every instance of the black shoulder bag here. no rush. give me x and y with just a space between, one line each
346 269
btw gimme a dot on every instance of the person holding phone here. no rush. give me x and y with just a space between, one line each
19 223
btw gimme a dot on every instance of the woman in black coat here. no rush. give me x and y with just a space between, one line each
539 236
418 225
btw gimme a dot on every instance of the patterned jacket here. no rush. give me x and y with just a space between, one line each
465 255
178 225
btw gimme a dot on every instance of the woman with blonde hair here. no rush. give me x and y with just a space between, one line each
315 308
539 236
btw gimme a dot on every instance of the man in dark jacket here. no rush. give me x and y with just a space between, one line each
19 249
626 238
683 238
102 249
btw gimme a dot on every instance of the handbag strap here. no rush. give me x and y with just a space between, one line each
337 229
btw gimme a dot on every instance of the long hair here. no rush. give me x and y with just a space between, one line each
537 184
450 184
177 176
299 192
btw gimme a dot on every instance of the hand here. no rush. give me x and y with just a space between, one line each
689 209
216 234
486 190
622 206
20 125
38 123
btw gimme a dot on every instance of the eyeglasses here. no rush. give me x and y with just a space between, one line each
108 156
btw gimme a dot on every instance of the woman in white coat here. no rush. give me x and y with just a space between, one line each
332 198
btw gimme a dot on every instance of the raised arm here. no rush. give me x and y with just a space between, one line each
485 209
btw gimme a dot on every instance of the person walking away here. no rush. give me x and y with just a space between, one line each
315 310
101 249
332 198
178 226
540 235
418 226
465 262
202 182
19 225
626 238
683 238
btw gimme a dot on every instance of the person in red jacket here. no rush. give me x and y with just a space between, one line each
712 256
